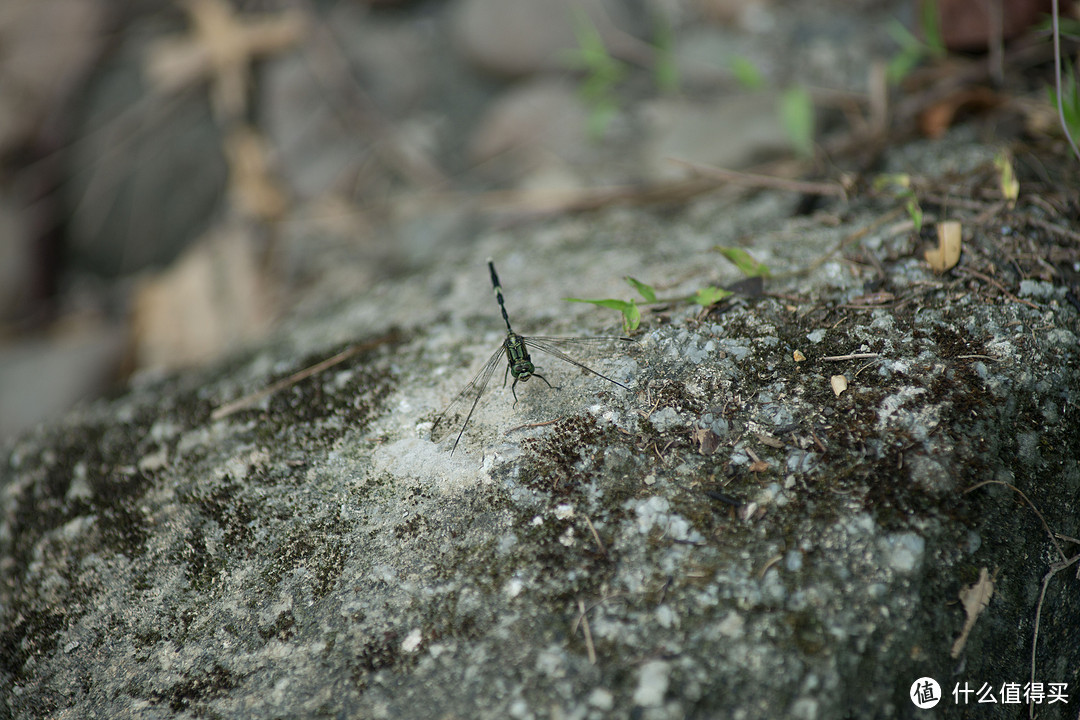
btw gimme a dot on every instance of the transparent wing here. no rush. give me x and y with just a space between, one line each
472 392
555 346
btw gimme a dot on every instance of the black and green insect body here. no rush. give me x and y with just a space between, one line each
519 363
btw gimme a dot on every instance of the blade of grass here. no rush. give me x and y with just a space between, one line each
747 264
629 309
646 291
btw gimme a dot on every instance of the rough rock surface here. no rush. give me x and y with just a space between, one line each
728 539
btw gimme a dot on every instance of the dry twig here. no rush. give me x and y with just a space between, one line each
249 400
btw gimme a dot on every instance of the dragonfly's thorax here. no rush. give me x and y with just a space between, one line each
521 366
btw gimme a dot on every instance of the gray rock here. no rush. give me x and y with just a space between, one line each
521 37
730 133
317 555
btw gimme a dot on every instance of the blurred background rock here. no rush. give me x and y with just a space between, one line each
177 176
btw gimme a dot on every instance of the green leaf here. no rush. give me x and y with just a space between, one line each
746 73
631 318
1070 98
611 303
1068 27
902 36
603 73
665 69
747 264
1010 186
797 115
894 181
591 50
899 186
914 211
629 309
913 49
930 24
911 52
646 291
901 64
707 296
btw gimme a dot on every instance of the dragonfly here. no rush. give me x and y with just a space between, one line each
515 349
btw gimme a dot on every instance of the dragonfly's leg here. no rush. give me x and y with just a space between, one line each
512 389
544 379
506 375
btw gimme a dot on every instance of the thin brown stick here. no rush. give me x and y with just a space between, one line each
1054 570
249 400
596 536
529 426
857 372
584 618
1051 227
771 182
1061 553
956 202
768 564
853 356
852 237
998 285
563 200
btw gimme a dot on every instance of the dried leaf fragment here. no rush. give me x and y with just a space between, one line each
939 117
875 298
255 191
707 440
1009 185
947 253
838 383
770 441
798 356
975 599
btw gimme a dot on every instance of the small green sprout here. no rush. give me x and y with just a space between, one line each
646 291
1070 99
797 116
899 185
747 264
603 73
705 297
629 309
913 50
710 295
1009 185
746 73
665 69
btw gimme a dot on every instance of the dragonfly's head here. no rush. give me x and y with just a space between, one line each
522 370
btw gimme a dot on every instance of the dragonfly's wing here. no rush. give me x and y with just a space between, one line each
553 346
472 392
